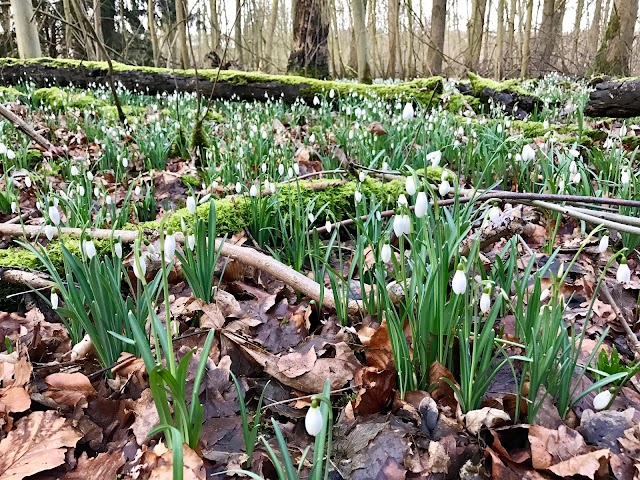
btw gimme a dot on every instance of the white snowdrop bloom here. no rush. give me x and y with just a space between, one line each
313 420
528 153
140 271
385 166
408 112
494 213
444 188
169 247
89 176
422 204
191 241
623 275
137 190
575 178
264 134
253 191
625 177
361 176
107 199
11 154
434 157
311 217
561 185
499 128
14 207
485 301
518 157
385 253
357 196
290 172
280 169
49 231
378 215
601 400
54 215
125 162
398 225
191 204
81 190
89 248
545 124
316 100
96 192
55 300
296 168
546 293
623 130
328 226
574 153
3 149
74 171
263 167
402 200
459 282
238 187
332 93
604 244
312 138
27 181
410 185
350 134
117 248
573 168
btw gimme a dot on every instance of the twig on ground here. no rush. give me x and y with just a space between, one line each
632 339
29 131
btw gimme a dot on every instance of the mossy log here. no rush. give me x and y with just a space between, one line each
228 84
517 101
618 99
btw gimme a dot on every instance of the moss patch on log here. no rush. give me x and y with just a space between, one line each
58 99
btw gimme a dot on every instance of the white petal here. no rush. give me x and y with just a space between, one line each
602 399
313 421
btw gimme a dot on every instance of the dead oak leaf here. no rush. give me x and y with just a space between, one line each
38 443
14 399
69 389
106 465
586 465
295 364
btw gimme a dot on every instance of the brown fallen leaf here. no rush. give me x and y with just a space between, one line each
104 466
69 389
489 417
443 393
38 442
159 464
376 128
146 416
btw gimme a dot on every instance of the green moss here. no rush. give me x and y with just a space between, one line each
33 156
458 102
631 141
529 129
190 181
215 117
130 111
58 99
10 93
478 84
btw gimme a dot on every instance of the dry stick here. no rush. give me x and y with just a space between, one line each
25 128
632 339
245 255
20 277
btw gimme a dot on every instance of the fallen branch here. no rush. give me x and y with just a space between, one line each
245 255
20 277
28 130
632 339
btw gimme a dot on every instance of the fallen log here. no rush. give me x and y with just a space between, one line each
226 85
517 101
619 99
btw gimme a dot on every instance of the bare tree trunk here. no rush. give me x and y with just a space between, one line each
594 30
576 32
411 71
90 45
486 35
475 29
237 34
310 53
615 52
497 69
435 50
26 29
374 36
511 35
360 27
271 33
68 30
215 26
336 40
181 30
393 22
153 32
526 41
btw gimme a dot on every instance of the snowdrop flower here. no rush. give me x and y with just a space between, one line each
545 124
141 270
421 205
90 176
117 248
434 158
312 138
81 190
385 166
357 196
499 128
280 169
55 301
385 253
623 275
444 188
125 162
408 112
574 153
3 149
313 421
410 185
604 244
378 215
485 300
107 199
601 400
191 204
561 185
311 217
362 176
328 226
332 93
402 200
401 225
54 215
89 248
575 178
623 130
11 154
137 190
546 293
14 207
296 168
169 247
625 177
494 213
459 282
191 241
49 231
316 100
238 187
528 153
74 171
27 181
253 191
573 168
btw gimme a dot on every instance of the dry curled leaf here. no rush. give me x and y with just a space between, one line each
69 389
39 442
376 128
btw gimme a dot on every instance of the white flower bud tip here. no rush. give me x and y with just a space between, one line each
422 204
602 399
313 421
89 248
604 244
385 253
410 185
191 204
459 282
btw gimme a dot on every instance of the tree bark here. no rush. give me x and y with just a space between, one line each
576 32
594 30
511 35
393 22
475 29
374 37
26 29
526 41
497 71
181 30
614 54
360 28
435 50
271 33
614 99
310 53
410 59
153 32
215 26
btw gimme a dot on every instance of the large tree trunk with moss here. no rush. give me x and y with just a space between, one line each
244 86
310 53
614 54
475 29
615 99
26 29
435 53
181 29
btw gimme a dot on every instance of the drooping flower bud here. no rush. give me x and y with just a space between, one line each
313 421
459 282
